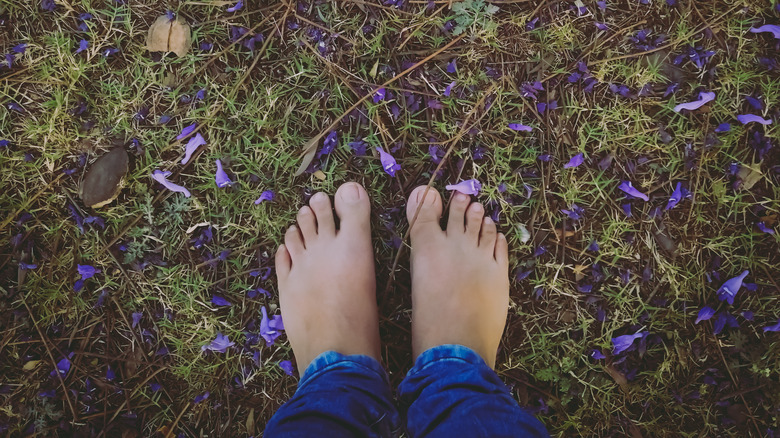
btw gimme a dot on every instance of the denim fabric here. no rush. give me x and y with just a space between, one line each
450 392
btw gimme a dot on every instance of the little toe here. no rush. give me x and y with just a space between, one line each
458 206
283 262
429 202
474 215
320 204
353 208
294 242
487 234
307 223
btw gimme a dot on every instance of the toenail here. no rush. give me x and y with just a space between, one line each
477 207
460 197
318 197
350 192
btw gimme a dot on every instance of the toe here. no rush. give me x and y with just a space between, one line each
294 242
487 234
283 263
501 253
429 204
456 221
353 208
320 204
474 215
307 223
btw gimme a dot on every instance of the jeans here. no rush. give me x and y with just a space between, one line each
450 392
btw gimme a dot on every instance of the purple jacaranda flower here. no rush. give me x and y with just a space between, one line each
585 288
83 45
622 343
236 7
597 354
704 98
520 127
723 127
448 89
201 94
531 25
388 162
137 316
764 229
267 195
329 144
256 292
48 5
154 386
721 320
192 145
220 301
601 26
544 157
705 313
206 46
379 95
602 5
87 271
4 143
575 161
678 195
540 250
201 397
531 89
574 213
110 374
358 146
434 104
452 67
101 299
13 106
221 177
629 189
186 131
756 103
161 177
287 367
627 209
221 343
63 366
729 289
772 328
19 48
671 89
50 393
109 52
747 118
436 153
26 266
771 28
467 187
270 329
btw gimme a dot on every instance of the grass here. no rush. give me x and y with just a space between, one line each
261 108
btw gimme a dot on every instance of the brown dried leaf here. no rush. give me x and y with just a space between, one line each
749 176
309 150
103 181
180 39
250 422
157 38
31 365
618 377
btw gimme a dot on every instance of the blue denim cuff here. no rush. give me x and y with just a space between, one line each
446 352
331 359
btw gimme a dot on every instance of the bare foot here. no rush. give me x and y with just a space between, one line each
460 277
327 288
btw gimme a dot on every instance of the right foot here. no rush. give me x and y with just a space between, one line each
327 287
460 277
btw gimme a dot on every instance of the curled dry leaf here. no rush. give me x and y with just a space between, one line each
103 181
169 36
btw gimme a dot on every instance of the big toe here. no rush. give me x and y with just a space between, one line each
428 202
353 208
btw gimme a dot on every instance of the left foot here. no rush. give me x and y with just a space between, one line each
327 287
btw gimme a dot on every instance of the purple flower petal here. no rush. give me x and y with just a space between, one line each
287 367
771 28
597 354
267 195
87 271
83 45
448 89
186 131
601 26
435 104
63 366
755 103
575 161
201 397
622 343
729 289
764 229
594 246
772 328
161 177
452 67
723 127
704 98
220 301
520 127
705 313
678 195
110 374
388 162
221 343
221 178
629 189
192 145
329 144
137 316
747 118
270 329
236 7
467 187
379 95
